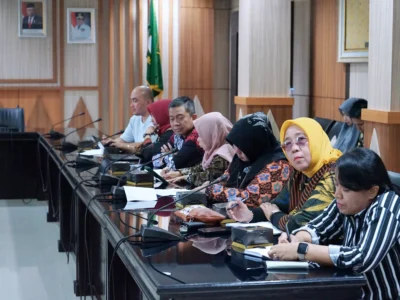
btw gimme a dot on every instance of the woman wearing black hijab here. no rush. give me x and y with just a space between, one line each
259 169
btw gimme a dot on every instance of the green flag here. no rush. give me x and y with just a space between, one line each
154 71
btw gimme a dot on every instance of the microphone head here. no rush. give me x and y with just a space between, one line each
121 131
98 120
223 178
81 114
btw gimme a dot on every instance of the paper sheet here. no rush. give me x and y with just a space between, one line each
259 252
134 193
276 231
93 152
277 264
169 192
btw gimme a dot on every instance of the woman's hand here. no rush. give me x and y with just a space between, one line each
284 251
178 179
240 213
172 174
269 209
283 239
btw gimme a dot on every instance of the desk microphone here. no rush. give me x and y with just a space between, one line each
107 137
149 233
67 146
141 166
55 135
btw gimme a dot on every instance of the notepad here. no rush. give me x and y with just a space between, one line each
139 197
276 231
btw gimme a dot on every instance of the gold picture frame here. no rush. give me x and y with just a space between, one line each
353 31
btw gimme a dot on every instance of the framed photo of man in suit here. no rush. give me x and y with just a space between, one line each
81 26
32 18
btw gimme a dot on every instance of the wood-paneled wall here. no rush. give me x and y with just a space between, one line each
196 48
328 79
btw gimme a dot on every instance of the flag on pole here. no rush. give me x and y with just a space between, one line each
154 71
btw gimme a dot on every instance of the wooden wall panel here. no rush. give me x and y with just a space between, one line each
42 108
8 99
196 50
328 79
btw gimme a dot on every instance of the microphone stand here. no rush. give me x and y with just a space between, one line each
55 135
69 147
149 233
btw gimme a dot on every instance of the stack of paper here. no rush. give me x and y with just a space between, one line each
93 152
276 231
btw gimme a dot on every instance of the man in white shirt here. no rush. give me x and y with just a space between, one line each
81 31
132 138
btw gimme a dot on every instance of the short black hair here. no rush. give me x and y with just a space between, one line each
360 169
30 5
185 102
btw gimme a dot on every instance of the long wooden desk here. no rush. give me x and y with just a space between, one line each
190 269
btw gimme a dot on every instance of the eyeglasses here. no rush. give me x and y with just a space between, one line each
300 141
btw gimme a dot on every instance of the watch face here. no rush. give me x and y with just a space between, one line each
302 249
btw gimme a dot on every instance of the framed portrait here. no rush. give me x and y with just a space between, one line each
81 26
353 31
32 17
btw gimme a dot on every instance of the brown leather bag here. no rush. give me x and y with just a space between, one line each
199 213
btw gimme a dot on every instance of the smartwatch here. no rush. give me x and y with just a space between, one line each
302 251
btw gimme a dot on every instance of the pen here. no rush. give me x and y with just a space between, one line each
234 205
288 234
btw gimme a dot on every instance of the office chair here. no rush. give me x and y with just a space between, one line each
326 124
335 130
12 119
394 178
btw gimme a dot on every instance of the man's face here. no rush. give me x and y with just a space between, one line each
181 121
138 103
79 21
30 11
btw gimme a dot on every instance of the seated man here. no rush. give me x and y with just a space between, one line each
352 133
181 116
132 138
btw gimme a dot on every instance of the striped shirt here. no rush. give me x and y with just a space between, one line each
371 243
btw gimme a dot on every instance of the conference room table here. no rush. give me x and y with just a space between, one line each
93 224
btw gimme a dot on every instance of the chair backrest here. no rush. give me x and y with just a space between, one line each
335 130
326 124
394 178
12 120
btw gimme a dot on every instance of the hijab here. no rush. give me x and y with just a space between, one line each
321 150
352 107
159 110
254 137
213 129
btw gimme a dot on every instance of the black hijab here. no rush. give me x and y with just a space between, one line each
254 137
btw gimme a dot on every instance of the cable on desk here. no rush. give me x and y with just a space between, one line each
127 225
162 273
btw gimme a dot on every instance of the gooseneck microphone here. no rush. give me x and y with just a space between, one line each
107 137
67 146
149 233
55 135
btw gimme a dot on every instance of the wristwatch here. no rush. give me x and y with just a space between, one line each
302 251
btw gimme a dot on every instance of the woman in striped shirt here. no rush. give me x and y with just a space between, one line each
366 214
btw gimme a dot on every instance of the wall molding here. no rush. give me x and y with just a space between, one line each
257 101
380 116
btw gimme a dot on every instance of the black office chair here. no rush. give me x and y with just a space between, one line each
326 124
12 120
394 178
335 130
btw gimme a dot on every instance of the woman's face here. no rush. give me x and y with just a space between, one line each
297 148
347 120
240 154
351 202
358 123
153 120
